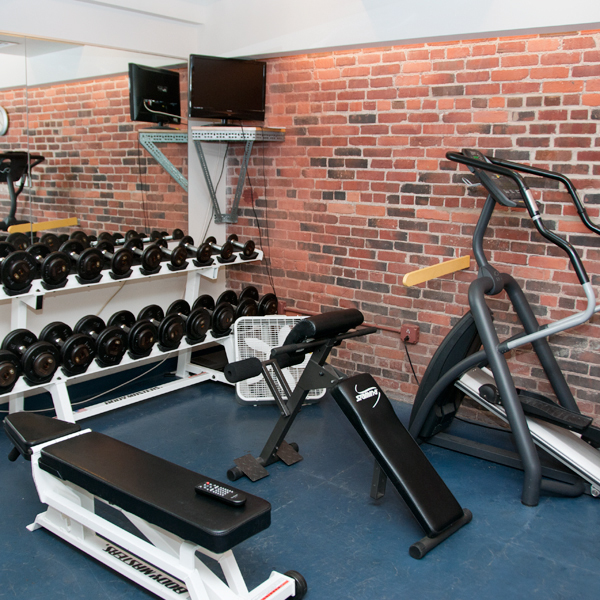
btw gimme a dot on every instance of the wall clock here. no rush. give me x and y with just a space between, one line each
3 121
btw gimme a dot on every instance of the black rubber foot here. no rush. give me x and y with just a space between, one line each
301 585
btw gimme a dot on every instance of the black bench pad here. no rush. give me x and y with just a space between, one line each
399 456
154 489
29 429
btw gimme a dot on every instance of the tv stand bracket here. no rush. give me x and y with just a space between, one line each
231 134
150 137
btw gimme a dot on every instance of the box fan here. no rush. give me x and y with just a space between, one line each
256 337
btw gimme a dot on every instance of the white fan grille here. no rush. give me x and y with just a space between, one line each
256 337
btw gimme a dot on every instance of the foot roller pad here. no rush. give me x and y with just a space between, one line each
287 454
251 468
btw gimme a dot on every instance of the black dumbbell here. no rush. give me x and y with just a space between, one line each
17 269
268 305
120 260
171 328
225 252
177 257
39 360
202 254
141 335
197 322
222 315
76 349
120 239
111 342
246 250
88 262
51 240
63 237
150 256
53 267
82 237
18 240
245 305
164 235
10 371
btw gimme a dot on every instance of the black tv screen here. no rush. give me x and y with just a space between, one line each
154 94
226 88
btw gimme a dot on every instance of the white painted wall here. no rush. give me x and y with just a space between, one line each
178 28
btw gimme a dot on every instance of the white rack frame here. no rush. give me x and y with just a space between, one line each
187 373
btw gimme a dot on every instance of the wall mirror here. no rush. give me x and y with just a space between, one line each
68 105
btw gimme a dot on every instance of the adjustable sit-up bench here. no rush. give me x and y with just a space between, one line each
73 468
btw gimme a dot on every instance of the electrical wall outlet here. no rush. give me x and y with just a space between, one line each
409 334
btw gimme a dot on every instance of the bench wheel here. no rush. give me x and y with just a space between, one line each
301 585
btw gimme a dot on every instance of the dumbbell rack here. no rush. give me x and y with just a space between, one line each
187 373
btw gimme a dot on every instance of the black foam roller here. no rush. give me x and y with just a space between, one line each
243 369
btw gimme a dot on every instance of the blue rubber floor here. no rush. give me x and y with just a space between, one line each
324 524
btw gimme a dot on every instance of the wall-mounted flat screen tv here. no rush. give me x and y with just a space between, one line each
226 88
154 95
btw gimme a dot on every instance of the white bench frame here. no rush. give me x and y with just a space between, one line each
167 565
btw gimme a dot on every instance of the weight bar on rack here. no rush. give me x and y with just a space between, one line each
177 256
111 342
222 315
141 335
38 360
53 267
10 371
244 307
88 262
171 328
17 269
121 260
225 252
246 250
197 321
203 253
77 350
164 235
150 257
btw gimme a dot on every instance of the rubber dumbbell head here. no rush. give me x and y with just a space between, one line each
249 292
10 371
225 252
51 240
227 296
197 321
18 240
204 301
39 360
177 256
246 250
202 254
77 350
88 261
141 335
247 307
150 256
82 237
17 269
268 305
171 328
53 267
120 260
111 342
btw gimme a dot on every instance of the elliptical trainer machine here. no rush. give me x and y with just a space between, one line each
458 366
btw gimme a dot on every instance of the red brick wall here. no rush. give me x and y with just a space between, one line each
361 193
93 159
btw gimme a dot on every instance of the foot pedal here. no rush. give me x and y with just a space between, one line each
252 469
287 454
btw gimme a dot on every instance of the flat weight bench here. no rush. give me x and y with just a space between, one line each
71 468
